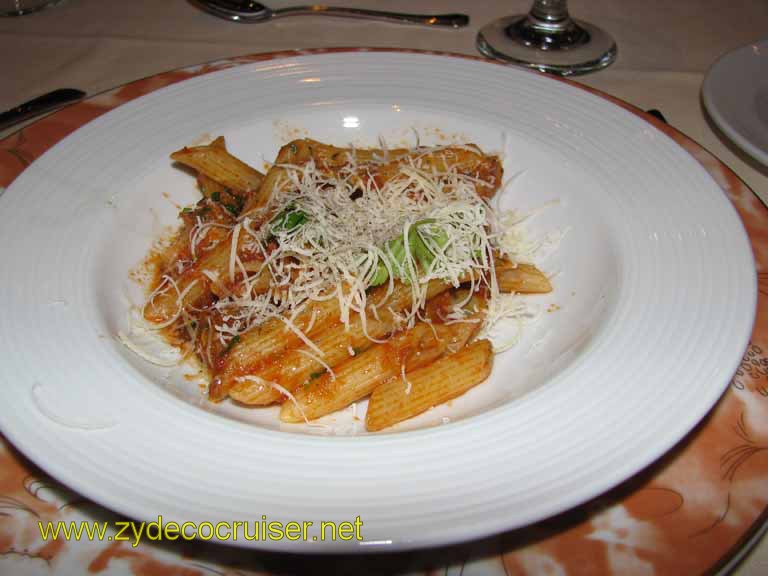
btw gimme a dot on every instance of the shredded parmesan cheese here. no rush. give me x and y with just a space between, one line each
407 382
126 341
233 251
349 221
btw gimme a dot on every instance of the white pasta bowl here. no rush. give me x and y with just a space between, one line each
653 303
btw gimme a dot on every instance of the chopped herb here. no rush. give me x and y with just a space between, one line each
231 343
293 148
288 220
437 237
232 202
316 375
395 251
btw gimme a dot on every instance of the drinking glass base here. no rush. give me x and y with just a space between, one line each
585 48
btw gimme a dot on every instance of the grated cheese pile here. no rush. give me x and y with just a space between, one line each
335 234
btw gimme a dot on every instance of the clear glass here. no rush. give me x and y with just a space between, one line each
22 7
548 39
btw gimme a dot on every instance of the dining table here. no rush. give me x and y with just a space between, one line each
701 509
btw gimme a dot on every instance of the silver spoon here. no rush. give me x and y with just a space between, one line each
247 11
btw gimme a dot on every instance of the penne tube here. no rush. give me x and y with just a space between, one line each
384 165
293 153
354 379
195 282
445 379
300 366
217 164
521 278
165 259
262 343
218 142
232 199
357 377
256 347
191 289
466 161
208 186
387 164
332 158
297 367
196 289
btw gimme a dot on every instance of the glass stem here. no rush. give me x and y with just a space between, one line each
548 26
549 14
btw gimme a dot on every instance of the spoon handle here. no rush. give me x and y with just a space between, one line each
450 20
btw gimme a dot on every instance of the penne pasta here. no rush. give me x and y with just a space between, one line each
340 273
337 344
445 379
217 164
521 278
255 348
357 377
466 160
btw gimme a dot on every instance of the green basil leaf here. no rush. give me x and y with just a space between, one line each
288 220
